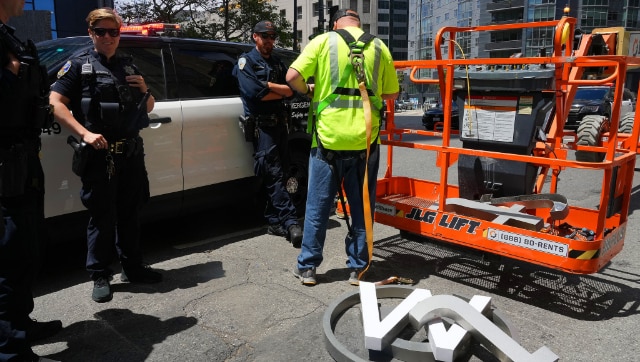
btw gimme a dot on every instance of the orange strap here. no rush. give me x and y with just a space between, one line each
368 219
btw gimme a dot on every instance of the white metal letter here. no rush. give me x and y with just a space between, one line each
444 343
379 333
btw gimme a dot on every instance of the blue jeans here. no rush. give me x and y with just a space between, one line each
323 186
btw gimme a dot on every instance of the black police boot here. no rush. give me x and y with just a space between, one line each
295 235
101 290
142 273
277 230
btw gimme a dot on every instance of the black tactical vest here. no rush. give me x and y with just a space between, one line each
107 105
25 106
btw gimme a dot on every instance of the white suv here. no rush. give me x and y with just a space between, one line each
196 155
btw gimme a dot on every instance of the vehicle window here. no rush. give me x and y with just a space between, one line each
591 93
206 73
54 53
287 57
149 63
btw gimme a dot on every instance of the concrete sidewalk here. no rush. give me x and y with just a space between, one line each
224 298
229 294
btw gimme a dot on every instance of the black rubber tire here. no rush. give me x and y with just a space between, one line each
589 131
297 177
626 123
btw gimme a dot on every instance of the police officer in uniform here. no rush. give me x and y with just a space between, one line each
263 88
24 104
110 101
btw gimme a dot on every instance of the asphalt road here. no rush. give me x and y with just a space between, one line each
229 294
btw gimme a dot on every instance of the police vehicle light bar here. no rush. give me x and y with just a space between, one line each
153 29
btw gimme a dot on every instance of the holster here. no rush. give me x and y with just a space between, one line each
248 126
80 155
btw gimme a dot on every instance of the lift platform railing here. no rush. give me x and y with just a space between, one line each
516 229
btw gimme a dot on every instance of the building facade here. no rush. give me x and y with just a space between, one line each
50 19
431 15
389 20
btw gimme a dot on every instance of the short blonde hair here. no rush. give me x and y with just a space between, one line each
103 14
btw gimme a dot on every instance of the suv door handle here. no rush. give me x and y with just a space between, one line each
160 120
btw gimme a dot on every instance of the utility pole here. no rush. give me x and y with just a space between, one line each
320 17
295 25
391 27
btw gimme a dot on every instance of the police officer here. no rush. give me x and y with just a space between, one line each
261 77
24 104
110 100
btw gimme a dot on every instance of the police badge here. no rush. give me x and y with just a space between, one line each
129 70
241 62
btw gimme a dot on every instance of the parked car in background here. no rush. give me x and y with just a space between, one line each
196 153
596 100
432 118
431 103
403 105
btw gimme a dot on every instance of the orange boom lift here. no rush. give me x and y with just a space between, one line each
512 116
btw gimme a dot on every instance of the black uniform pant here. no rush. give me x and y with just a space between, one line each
20 257
114 203
270 161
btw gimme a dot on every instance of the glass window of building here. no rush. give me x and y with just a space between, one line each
43 5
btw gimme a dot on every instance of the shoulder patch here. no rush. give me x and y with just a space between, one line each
65 68
242 62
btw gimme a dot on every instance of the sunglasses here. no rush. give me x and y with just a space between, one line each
103 31
268 36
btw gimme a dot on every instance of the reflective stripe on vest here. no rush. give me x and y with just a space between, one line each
372 79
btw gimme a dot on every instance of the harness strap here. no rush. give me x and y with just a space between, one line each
368 219
351 92
356 55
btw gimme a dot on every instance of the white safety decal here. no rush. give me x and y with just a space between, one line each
529 242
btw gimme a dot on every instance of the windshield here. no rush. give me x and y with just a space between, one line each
54 52
591 93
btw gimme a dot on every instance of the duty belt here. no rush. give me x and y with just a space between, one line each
22 144
270 120
126 146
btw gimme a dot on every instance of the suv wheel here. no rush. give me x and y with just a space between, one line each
589 132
